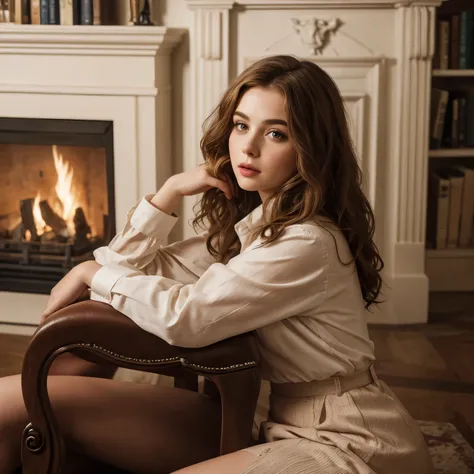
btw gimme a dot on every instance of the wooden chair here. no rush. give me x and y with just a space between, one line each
98 333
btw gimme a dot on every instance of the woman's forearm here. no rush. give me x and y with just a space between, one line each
167 199
88 271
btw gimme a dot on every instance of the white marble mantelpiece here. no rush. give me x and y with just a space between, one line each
116 73
380 58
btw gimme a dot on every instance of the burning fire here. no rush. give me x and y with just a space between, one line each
39 221
66 204
65 191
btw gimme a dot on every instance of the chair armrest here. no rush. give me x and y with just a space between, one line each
95 330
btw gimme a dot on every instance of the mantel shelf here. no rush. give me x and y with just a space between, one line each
86 39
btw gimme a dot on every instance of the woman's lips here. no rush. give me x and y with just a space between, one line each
248 172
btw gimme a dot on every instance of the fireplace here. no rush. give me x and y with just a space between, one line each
57 200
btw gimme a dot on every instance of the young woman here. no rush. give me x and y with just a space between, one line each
289 253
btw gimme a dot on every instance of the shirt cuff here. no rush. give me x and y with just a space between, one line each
105 279
150 221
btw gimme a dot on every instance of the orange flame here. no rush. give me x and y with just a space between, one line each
65 191
66 204
40 224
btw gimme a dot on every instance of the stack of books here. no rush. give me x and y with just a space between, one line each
59 12
450 218
455 41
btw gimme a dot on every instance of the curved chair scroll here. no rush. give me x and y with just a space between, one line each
96 332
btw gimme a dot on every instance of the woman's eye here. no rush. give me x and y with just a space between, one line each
240 126
277 135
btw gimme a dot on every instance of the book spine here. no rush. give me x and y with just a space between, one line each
35 12
465 40
25 12
442 213
444 45
455 124
65 12
439 120
467 212
97 12
470 118
455 37
54 14
455 201
18 12
44 12
86 12
462 122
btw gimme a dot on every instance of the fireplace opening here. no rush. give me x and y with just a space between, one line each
57 199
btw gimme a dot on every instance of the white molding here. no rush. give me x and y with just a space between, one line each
360 81
81 90
212 4
312 4
416 40
209 64
88 40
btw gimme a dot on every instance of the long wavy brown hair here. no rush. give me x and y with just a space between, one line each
328 182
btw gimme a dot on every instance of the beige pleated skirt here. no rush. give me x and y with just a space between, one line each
363 430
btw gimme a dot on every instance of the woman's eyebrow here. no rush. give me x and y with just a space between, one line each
266 122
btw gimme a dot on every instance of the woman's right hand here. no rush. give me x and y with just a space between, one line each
197 181
189 183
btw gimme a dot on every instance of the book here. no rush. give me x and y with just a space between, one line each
438 106
455 37
54 12
35 14
470 118
465 40
456 183
22 12
86 12
44 12
466 237
69 12
438 209
444 32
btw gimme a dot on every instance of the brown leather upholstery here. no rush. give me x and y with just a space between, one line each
98 333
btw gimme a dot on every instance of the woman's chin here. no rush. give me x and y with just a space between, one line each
247 185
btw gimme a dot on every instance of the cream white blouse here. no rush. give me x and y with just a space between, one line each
305 305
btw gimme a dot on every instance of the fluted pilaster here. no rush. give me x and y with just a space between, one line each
209 62
416 42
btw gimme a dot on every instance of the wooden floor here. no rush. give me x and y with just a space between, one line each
430 367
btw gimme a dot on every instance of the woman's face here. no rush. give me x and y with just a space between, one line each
261 153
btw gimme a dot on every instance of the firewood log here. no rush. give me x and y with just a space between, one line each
27 218
57 223
82 228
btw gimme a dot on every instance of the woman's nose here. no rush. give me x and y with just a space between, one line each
250 148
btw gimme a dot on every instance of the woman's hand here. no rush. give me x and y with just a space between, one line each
70 287
189 183
198 180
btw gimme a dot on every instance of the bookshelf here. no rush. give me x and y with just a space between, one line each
452 153
450 257
453 73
